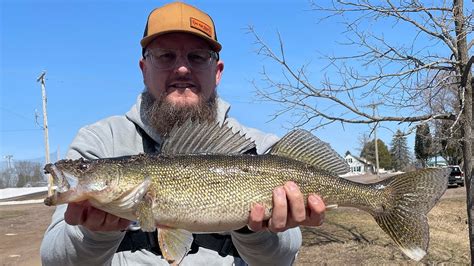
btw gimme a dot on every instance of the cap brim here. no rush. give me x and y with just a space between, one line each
214 44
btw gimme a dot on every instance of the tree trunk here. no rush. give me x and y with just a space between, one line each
467 124
467 154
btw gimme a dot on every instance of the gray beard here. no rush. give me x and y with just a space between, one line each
162 115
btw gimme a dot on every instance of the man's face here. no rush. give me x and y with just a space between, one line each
181 85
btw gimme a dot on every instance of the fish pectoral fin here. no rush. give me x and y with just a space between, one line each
144 213
174 244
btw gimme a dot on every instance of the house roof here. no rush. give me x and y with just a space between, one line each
360 159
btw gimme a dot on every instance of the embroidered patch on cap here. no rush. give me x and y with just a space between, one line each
201 26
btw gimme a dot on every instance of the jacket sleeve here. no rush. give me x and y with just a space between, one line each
267 248
65 244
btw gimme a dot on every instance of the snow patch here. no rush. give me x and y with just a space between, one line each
6 193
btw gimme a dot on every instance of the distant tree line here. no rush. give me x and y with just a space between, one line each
445 142
397 157
22 173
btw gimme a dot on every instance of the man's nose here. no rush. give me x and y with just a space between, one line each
182 65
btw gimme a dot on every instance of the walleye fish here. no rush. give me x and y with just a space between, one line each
203 182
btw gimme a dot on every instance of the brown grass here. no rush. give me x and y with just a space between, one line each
348 236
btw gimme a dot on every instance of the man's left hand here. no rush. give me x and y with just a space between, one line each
288 211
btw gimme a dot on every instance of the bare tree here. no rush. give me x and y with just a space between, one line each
395 73
449 142
9 178
28 172
447 139
363 139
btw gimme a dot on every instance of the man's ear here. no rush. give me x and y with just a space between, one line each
142 65
219 70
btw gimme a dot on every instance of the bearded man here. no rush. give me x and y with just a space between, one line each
181 70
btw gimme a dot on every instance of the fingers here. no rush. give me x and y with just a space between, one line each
111 219
289 209
82 213
316 209
277 222
123 223
297 209
93 219
257 214
74 212
114 222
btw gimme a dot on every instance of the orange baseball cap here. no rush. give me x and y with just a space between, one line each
180 17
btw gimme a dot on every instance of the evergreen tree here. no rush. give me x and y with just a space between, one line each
368 153
423 143
399 152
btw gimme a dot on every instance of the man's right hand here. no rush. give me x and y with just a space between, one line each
83 213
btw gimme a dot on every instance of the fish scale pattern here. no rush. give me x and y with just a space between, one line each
213 190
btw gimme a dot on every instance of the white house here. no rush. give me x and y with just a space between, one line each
358 166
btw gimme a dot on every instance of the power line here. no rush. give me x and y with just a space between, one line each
15 113
19 130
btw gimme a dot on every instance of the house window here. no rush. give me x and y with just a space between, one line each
349 160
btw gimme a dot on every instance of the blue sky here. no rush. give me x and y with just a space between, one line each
90 50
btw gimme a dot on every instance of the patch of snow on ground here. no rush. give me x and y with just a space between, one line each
6 193
18 202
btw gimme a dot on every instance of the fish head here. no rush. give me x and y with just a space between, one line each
78 180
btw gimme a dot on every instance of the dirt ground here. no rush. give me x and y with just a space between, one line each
21 231
348 236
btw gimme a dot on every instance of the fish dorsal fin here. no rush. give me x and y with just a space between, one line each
193 137
303 146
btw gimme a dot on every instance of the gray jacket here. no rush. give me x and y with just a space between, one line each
115 136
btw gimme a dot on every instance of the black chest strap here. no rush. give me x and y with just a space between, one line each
220 243
138 240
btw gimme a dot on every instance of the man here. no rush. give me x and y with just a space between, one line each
181 70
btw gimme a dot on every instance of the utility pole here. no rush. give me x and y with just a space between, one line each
376 150
9 161
374 106
41 79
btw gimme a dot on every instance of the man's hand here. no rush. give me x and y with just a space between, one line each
288 210
83 213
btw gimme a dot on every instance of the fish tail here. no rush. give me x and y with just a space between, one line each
408 198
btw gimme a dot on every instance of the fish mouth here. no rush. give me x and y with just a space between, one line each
63 180
65 183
